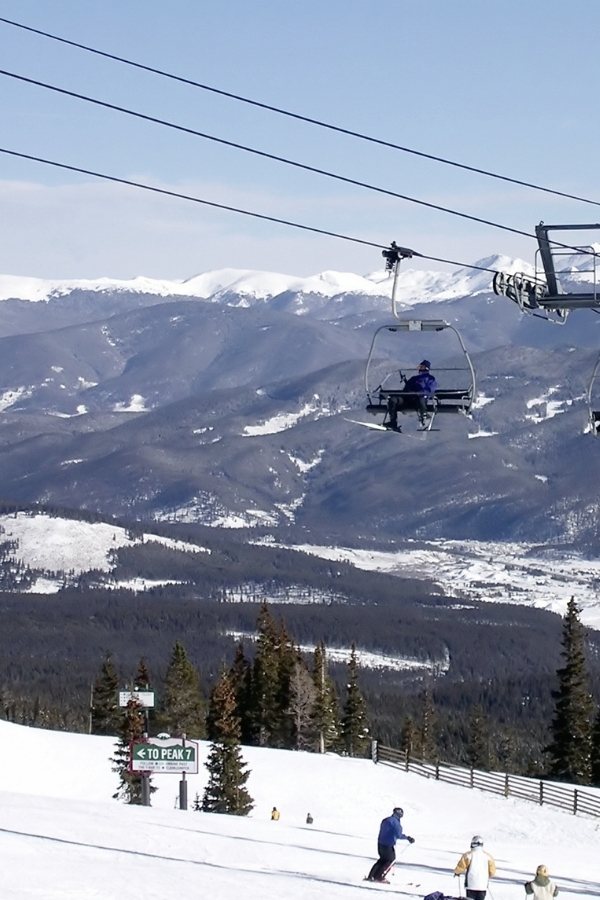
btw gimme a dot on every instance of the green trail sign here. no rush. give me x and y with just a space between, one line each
171 755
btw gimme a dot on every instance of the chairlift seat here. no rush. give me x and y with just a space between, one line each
450 400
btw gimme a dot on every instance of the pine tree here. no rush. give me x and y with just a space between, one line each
142 676
596 751
228 774
265 704
105 713
288 657
131 730
571 747
142 683
408 737
182 709
241 679
354 736
478 747
428 744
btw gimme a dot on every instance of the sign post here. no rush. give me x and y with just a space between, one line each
183 783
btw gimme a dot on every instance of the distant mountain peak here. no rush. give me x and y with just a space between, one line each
253 285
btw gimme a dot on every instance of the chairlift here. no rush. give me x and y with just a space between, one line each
384 391
388 390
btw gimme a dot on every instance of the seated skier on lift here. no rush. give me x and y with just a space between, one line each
417 390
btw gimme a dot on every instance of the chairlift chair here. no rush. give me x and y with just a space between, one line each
380 391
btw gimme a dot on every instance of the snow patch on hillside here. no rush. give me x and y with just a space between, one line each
367 659
520 573
54 544
284 421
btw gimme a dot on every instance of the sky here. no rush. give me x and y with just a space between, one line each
62 836
506 86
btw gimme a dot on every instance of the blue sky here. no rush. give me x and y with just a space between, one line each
507 86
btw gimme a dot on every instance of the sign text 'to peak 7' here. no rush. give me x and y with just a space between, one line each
170 755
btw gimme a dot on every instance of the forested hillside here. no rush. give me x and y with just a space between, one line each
497 659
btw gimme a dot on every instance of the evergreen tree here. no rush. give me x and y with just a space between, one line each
596 751
265 704
301 706
142 683
288 656
106 715
325 711
182 709
428 744
354 730
241 678
228 774
142 676
408 736
571 747
478 747
131 730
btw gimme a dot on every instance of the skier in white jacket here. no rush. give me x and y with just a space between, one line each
478 867
541 887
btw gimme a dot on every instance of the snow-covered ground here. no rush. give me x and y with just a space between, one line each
62 836
495 572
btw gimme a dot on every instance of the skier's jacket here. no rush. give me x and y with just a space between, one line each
423 383
479 867
541 888
390 831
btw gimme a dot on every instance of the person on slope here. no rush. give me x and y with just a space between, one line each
390 831
414 395
541 887
478 867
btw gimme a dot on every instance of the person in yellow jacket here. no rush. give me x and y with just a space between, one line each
275 814
478 867
541 887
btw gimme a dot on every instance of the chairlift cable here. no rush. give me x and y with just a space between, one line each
298 116
290 162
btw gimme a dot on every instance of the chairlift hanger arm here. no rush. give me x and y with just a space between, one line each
393 257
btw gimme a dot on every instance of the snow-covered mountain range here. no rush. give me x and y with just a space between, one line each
224 400
251 286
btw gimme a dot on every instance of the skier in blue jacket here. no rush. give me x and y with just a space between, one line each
390 831
415 393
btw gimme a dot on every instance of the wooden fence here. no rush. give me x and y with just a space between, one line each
548 793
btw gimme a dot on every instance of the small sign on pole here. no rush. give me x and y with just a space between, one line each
144 698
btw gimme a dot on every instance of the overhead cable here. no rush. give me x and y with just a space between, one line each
223 206
288 162
298 116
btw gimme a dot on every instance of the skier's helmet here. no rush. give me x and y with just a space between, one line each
542 871
398 812
476 841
